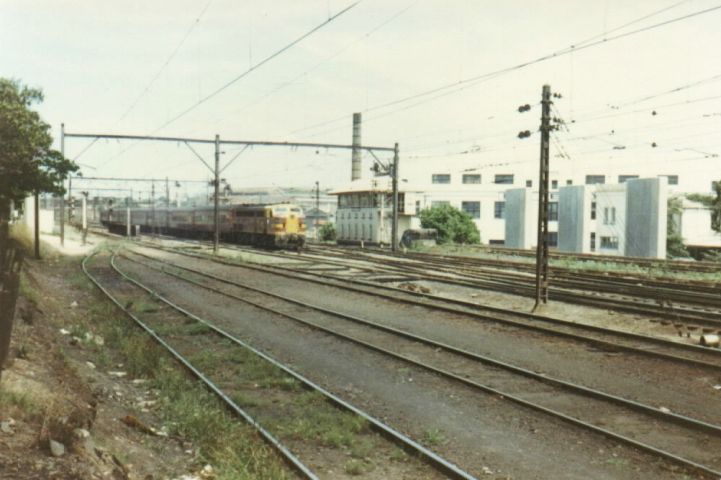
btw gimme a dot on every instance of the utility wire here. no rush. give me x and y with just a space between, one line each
255 67
165 64
487 76
239 77
325 60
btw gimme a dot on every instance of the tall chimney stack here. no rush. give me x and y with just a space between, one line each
356 156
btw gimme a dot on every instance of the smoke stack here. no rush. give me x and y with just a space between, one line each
356 156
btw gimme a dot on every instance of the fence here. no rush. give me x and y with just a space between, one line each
11 260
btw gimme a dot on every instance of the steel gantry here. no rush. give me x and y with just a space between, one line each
216 169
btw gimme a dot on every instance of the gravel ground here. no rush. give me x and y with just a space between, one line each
480 432
680 388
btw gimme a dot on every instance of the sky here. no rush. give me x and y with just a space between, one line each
149 68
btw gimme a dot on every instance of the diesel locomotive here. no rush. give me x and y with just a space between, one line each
279 225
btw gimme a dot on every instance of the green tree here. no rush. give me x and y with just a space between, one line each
674 240
712 202
452 224
327 232
28 164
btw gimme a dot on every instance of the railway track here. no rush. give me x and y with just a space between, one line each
671 265
598 337
679 439
225 345
699 304
684 319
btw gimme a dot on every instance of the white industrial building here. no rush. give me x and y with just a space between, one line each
616 212
622 219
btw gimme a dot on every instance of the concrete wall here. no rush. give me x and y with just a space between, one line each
574 221
47 223
610 224
696 226
646 208
521 218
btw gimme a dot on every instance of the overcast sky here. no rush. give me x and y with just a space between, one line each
110 67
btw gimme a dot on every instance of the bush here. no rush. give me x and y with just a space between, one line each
452 224
674 241
327 232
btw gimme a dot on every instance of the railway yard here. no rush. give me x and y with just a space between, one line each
430 365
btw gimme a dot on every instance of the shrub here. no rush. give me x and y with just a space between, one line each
452 224
327 232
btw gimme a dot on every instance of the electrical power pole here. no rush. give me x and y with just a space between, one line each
62 197
216 187
394 228
37 225
152 202
317 206
542 241
167 193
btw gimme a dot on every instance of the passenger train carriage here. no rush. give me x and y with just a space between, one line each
277 225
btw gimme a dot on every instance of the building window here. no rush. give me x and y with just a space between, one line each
625 178
474 178
439 203
569 182
496 242
554 184
472 208
552 211
672 179
609 215
552 239
441 178
504 178
593 241
593 210
499 210
418 207
529 183
609 242
595 179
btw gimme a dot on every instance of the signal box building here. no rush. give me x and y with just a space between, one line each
365 211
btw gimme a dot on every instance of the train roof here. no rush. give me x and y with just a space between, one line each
243 206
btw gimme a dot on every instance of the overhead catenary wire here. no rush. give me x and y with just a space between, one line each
471 81
241 76
165 64
322 62
255 67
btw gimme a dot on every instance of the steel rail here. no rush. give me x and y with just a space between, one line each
626 278
698 265
611 286
407 443
503 395
287 455
579 389
481 317
566 293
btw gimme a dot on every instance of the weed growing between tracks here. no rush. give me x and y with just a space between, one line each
189 411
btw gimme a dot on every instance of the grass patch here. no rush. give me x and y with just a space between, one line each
399 455
357 467
188 409
196 328
20 401
433 436
145 307
26 290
